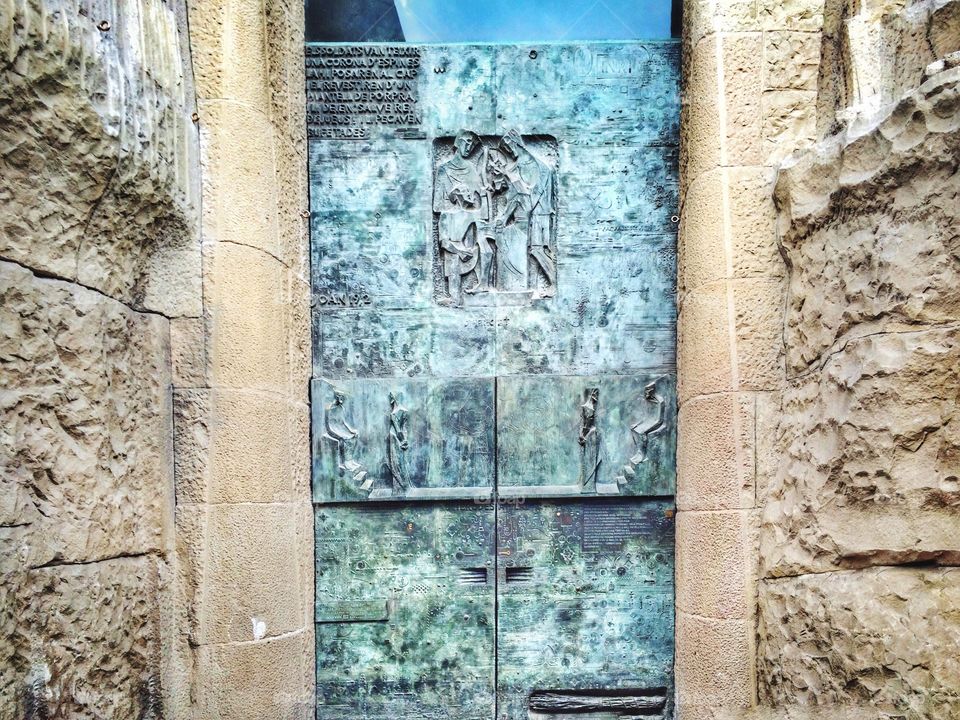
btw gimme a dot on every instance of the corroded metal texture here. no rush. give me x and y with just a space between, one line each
494 394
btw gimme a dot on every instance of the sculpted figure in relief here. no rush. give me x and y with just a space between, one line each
341 433
532 197
650 425
495 202
589 440
459 199
397 444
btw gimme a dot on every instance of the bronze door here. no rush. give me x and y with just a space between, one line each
494 398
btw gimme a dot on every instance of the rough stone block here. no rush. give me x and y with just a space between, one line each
188 352
81 641
239 446
229 48
791 60
871 453
703 343
884 637
85 416
292 203
716 462
789 123
251 451
727 227
796 15
716 571
758 319
301 340
869 227
250 578
286 71
237 681
98 179
240 188
703 254
247 304
714 664
721 122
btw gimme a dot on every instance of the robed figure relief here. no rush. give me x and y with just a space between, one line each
495 206
589 440
651 424
397 445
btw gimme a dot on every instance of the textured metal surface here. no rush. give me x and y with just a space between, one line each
585 598
494 270
405 612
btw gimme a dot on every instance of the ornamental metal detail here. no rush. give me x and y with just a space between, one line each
493 267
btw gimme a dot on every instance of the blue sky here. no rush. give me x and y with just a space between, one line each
539 20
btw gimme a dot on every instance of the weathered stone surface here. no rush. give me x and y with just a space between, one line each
246 297
81 641
256 680
714 666
791 60
715 551
717 461
721 121
97 150
188 352
85 414
244 210
876 52
884 637
870 223
789 122
871 453
236 446
248 572
727 218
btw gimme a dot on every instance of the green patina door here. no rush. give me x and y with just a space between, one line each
494 396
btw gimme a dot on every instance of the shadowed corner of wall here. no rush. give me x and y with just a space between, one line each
353 21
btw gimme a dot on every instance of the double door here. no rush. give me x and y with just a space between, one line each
494 395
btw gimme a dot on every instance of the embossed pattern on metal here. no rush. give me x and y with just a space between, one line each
493 265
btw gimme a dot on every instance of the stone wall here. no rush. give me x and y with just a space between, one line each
242 417
819 341
155 523
99 258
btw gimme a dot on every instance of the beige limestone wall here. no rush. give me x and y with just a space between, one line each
155 525
750 74
862 521
244 517
818 457
99 259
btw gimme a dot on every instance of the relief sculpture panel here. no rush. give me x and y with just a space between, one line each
495 214
493 265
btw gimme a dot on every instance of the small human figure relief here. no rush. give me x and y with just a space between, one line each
495 208
397 445
652 422
589 439
458 203
650 425
344 436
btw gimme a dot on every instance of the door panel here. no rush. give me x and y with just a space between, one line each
628 447
434 441
585 603
405 611
493 266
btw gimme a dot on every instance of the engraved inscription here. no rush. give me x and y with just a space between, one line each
495 208
353 89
